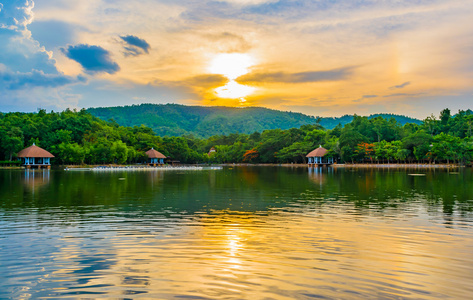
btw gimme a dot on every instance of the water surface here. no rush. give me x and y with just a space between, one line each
236 233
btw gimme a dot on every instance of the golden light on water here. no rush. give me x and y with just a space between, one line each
232 65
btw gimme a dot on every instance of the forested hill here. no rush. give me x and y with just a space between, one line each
206 121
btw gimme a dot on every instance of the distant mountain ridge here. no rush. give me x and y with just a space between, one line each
205 121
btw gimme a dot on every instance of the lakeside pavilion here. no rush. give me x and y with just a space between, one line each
211 151
35 157
317 157
156 158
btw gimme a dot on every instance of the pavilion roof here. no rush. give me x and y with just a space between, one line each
154 154
318 152
34 151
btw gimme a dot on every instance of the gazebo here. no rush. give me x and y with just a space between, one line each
211 151
34 156
316 157
156 158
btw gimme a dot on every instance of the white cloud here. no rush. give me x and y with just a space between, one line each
249 2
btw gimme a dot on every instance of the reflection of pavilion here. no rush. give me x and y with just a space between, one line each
316 174
33 179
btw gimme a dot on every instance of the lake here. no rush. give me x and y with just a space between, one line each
237 233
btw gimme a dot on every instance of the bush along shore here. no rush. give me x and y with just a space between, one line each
78 138
399 166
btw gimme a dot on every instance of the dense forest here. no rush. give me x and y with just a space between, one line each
206 121
78 137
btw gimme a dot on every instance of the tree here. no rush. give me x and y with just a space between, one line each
444 117
251 155
349 140
12 142
295 153
365 150
419 140
431 124
443 147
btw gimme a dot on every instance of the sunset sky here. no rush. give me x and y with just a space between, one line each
324 58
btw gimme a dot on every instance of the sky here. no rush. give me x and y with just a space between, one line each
322 58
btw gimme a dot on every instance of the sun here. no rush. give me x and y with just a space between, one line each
234 90
232 66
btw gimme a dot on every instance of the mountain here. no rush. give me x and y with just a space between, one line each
205 121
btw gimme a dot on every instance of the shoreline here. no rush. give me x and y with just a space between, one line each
353 166
367 166
400 166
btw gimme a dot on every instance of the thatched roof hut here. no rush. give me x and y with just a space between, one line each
318 152
212 150
316 157
154 154
156 157
34 151
34 156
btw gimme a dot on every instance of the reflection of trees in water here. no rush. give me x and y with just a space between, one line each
384 189
180 194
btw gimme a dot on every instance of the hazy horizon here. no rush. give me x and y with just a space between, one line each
237 107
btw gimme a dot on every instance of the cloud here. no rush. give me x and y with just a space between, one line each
135 46
29 77
199 82
206 81
365 97
64 33
249 2
403 95
401 85
35 78
16 14
18 51
228 42
282 77
94 59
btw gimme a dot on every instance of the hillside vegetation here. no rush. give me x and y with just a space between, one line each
77 137
200 121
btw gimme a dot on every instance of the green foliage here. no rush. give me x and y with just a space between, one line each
77 137
204 122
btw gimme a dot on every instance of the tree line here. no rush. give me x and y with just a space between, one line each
77 137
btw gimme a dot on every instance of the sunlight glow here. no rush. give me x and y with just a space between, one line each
232 65
234 90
